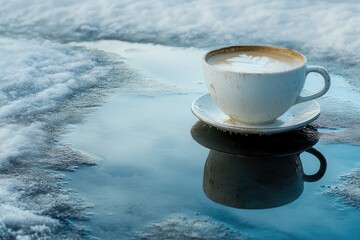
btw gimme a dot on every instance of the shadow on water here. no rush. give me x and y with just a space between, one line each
256 172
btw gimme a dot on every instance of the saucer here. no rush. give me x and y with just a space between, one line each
297 116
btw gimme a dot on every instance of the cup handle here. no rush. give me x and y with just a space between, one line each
322 169
326 76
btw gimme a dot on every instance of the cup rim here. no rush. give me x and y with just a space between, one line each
233 48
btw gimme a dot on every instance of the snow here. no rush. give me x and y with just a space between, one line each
321 27
42 90
47 84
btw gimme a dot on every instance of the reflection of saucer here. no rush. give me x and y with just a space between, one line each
297 116
281 144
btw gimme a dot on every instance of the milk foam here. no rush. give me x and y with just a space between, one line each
254 62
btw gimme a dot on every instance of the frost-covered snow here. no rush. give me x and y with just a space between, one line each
182 227
43 87
38 83
46 84
320 26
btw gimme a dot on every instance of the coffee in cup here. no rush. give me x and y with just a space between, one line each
257 84
254 61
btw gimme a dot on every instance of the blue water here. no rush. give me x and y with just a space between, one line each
154 169
149 174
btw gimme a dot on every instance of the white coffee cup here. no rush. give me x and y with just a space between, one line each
257 84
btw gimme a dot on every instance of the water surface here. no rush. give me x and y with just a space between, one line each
149 177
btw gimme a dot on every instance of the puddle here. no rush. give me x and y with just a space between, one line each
176 66
149 177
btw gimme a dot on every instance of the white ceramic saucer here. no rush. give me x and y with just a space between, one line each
297 116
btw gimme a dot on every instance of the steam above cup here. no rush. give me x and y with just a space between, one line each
257 84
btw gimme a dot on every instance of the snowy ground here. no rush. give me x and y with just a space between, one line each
47 82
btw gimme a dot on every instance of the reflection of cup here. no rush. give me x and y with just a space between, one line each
257 84
256 172
256 182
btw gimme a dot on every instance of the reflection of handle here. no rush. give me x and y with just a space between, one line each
322 168
326 87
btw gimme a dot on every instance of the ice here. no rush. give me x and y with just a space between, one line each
340 113
46 85
15 221
347 188
182 227
37 83
42 89
327 28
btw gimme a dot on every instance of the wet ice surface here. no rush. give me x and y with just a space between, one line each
148 177
42 89
148 181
